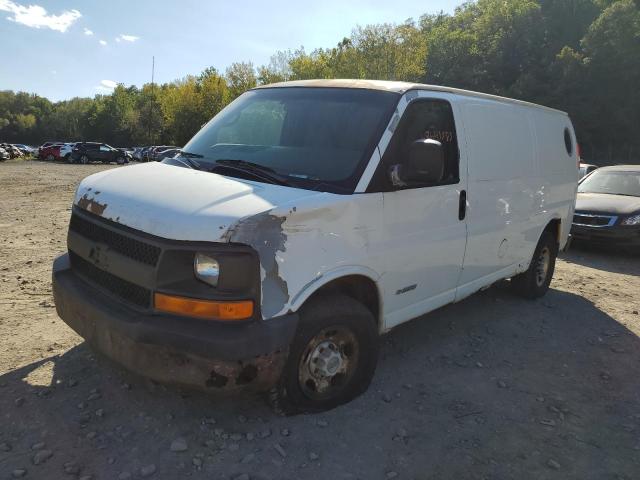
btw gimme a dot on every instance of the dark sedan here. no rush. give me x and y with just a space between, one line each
608 207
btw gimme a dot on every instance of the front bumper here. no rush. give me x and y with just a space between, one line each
618 235
197 353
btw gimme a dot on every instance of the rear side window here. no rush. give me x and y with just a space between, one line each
423 118
568 143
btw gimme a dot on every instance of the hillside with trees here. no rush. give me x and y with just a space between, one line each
580 56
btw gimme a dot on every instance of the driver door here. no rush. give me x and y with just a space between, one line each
425 224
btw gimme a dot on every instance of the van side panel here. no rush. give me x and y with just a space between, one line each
557 169
503 191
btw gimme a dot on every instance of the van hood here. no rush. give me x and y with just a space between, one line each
607 203
179 203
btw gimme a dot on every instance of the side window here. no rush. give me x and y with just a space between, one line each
422 119
104 148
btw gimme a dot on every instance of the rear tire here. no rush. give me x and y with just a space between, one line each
50 158
332 358
535 282
84 159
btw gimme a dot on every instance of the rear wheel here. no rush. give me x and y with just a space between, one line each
332 358
84 159
534 283
50 158
67 158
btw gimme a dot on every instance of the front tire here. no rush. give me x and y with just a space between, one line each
332 358
50 158
84 159
535 282
120 160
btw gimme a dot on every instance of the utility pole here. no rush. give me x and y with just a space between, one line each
153 69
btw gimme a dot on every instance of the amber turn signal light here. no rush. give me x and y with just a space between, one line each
207 309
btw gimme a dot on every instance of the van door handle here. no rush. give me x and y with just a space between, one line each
462 206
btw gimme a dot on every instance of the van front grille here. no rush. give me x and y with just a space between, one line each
130 247
123 289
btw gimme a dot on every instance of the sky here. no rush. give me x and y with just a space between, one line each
69 48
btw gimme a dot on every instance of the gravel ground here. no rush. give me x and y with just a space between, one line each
494 387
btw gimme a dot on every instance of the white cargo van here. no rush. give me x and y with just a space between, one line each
305 220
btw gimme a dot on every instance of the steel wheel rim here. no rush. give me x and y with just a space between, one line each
328 362
543 264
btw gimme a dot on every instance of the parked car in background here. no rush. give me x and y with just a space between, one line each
4 155
586 169
153 153
168 153
65 151
26 149
277 262
46 145
50 153
608 207
12 150
86 152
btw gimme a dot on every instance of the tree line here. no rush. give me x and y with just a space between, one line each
580 56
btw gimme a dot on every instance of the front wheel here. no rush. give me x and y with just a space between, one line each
332 358
535 282
84 159
50 158
120 160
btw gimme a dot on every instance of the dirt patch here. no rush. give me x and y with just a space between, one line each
494 387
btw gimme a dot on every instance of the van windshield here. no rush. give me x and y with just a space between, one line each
315 138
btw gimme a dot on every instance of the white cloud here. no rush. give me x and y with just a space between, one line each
87 31
36 16
102 42
126 38
106 86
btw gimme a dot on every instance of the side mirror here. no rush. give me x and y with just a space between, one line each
425 162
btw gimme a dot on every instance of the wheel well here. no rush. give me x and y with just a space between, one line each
554 227
358 287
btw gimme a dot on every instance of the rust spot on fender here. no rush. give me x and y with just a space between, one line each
91 205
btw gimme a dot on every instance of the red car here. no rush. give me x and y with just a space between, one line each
50 153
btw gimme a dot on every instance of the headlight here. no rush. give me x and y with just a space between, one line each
207 269
635 220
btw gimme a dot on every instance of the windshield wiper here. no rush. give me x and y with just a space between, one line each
255 169
188 157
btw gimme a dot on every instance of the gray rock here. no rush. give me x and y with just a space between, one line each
18 402
42 456
502 384
250 436
92 435
179 445
197 462
236 437
285 432
313 456
386 398
553 464
38 446
278 448
248 458
5 447
242 419
72 382
265 433
322 423
148 470
19 473
392 474
234 447
100 412
71 468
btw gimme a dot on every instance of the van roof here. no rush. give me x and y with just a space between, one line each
399 87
